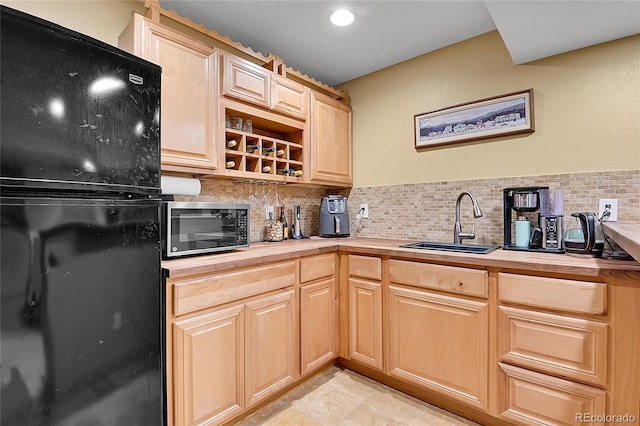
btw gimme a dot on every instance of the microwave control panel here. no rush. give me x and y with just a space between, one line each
242 227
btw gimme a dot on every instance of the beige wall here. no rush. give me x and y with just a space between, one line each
586 102
100 19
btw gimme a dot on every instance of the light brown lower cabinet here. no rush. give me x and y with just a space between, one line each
230 359
318 324
318 311
208 354
538 399
493 346
553 350
365 310
270 345
365 322
440 343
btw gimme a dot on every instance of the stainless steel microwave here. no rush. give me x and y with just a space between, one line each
195 228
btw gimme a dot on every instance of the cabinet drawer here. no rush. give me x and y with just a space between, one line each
246 81
289 97
569 347
447 278
313 268
365 267
534 399
194 293
553 293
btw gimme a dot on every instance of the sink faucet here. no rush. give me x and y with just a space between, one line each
458 235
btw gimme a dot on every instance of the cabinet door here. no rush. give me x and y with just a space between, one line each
289 97
208 354
270 337
331 150
439 342
188 100
246 81
365 322
318 324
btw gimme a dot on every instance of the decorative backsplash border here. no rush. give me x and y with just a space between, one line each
426 211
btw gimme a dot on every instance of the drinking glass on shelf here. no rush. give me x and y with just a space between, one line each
247 126
264 194
251 196
276 199
236 123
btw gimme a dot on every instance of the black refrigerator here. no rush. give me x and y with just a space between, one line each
81 306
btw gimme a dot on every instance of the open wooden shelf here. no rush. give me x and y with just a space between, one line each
273 150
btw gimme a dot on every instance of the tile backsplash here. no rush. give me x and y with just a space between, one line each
426 211
221 190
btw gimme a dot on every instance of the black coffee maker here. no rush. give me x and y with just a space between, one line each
537 227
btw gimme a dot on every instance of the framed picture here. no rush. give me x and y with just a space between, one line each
487 118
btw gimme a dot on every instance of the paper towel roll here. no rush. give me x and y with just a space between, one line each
179 185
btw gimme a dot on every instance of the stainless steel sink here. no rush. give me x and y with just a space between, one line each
460 248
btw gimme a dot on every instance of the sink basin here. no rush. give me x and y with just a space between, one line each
460 248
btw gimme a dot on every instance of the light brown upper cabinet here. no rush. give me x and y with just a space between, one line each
331 151
246 81
189 100
289 97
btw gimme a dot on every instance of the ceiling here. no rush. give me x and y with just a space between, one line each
388 32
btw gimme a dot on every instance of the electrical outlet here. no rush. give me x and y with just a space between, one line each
365 210
612 204
268 212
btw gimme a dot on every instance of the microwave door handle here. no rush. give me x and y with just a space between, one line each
337 224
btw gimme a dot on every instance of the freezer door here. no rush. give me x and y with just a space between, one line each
80 314
75 113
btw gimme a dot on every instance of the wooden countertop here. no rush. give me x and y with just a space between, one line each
626 235
255 254
259 253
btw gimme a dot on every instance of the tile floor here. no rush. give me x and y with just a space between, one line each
344 398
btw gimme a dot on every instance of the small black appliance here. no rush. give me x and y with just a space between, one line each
537 227
334 216
197 228
584 235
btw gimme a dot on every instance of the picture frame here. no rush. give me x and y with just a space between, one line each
498 116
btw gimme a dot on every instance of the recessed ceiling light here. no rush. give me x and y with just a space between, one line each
342 18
